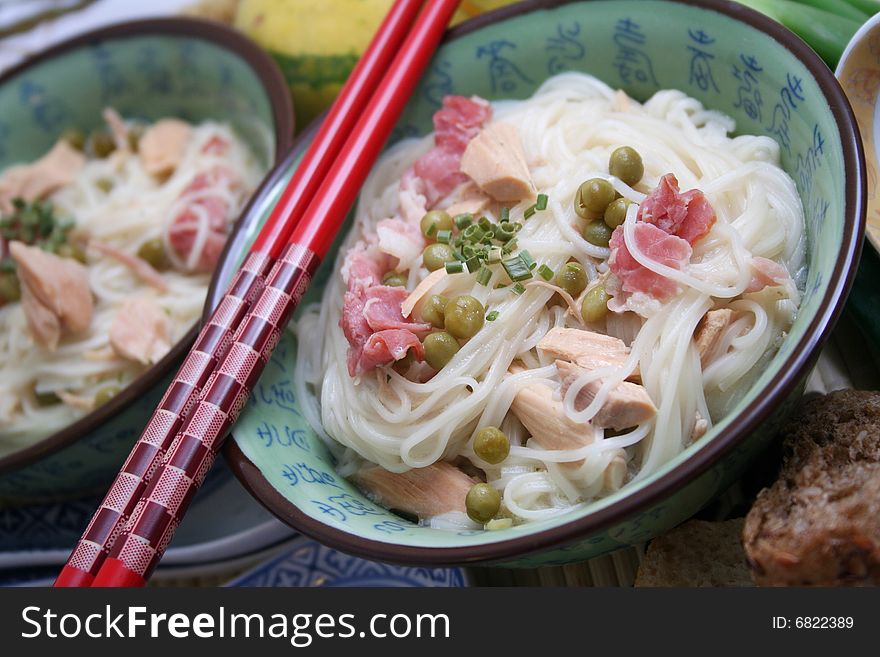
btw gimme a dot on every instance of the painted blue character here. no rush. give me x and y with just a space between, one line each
701 60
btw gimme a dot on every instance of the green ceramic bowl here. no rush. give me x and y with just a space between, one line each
147 69
732 60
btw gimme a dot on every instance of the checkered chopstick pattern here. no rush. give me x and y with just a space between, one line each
210 347
162 504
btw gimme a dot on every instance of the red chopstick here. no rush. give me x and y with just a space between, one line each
152 524
216 336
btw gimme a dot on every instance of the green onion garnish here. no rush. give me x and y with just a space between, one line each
517 227
492 316
516 268
509 246
484 275
541 203
484 223
473 233
527 259
443 236
499 286
529 212
454 267
545 272
463 220
504 215
519 288
458 255
431 230
495 254
473 264
468 251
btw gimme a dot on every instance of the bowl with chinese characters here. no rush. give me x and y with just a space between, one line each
147 70
732 60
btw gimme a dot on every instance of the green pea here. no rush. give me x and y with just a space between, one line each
153 251
464 316
597 233
436 256
100 144
401 366
394 279
491 445
106 394
482 503
439 349
434 221
615 214
593 197
75 137
433 310
46 398
572 278
626 164
72 251
10 288
595 304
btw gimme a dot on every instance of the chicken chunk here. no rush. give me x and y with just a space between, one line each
36 180
709 331
588 349
59 286
162 146
628 404
138 266
543 416
140 331
425 492
495 160
470 201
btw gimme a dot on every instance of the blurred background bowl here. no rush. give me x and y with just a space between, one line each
149 69
728 57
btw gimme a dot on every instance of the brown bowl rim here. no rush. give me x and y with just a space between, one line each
273 82
794 369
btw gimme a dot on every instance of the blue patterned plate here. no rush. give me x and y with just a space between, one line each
309 563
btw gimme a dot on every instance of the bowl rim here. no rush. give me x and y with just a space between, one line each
275 86
793 370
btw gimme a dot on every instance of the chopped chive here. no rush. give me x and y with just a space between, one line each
454 267
443 236
431 230
499 286
495 254
484 275
458 255
517 227
484 223
545 272
516 269
463 220
473 233
527 259
492 316
531 210
509 246
505 214
519 288
487 238
467 251
541 203
473 264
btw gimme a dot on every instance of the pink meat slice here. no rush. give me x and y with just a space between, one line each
458 121
382 310
385 347
687 215
766 273
657 245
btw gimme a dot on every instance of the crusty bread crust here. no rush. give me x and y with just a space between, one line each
819 523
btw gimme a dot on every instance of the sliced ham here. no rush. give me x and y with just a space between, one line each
424 492
495 160
57 285
767 273
687 215
140 331
202 209
455 124
162 146
138 266
388 346
363 267
657 245
586 348
383 309
627 405
402 240
58 167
